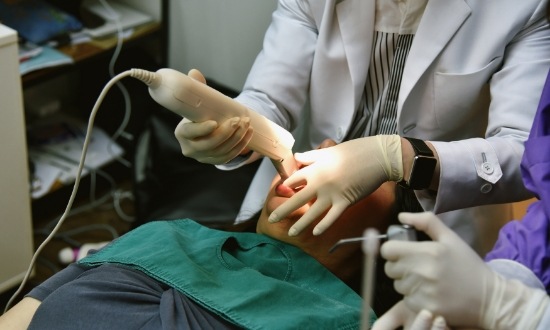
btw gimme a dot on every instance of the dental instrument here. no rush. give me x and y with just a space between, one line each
370 243
395 232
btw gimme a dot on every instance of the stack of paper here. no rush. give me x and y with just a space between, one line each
55 148
48 57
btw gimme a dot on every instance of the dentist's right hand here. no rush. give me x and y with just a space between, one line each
210 141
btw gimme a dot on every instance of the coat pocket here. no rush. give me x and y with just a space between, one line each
462 100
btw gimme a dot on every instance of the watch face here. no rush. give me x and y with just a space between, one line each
422 172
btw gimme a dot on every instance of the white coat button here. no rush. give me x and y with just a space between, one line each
486 188
487 168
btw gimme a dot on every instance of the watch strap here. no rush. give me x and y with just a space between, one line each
420 147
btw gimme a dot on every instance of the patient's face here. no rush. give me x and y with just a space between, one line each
373 211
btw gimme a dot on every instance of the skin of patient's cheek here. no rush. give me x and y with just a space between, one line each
373 211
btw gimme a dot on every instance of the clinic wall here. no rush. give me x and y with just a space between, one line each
220 38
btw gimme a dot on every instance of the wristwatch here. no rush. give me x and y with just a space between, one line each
423 166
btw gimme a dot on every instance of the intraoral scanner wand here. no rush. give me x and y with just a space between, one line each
199 102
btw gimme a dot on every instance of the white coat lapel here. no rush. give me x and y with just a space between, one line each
356 20
441 20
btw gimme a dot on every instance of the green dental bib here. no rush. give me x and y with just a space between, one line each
251 280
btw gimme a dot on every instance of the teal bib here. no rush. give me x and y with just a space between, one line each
251 280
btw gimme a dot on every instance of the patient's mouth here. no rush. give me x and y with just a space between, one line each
284 191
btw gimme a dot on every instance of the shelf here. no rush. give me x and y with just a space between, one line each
72 89
83 52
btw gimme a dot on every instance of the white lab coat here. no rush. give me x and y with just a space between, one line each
471 85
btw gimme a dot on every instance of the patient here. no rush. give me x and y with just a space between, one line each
182 275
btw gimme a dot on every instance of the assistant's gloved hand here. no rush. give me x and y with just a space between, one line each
400 316
339 176
210 141
446 277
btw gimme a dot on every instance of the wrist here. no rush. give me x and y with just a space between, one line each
512 305
391 157
407 152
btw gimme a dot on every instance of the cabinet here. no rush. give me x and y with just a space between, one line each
15 225
76 87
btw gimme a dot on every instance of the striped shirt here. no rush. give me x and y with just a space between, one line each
395 26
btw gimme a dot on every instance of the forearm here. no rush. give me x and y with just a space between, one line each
277 84
522 250
20 315
461 171
544 323
513 305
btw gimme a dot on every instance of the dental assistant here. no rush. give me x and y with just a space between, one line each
462 77
523 247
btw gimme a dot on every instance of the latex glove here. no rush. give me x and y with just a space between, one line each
212 142
448 278
400 316
339 176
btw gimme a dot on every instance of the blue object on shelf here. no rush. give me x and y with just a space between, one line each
37 20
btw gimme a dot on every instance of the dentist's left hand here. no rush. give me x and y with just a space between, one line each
339 176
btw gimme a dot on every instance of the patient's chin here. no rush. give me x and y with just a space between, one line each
277 230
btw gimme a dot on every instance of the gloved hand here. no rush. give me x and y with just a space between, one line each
446 277
400 316
212 142
339 176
